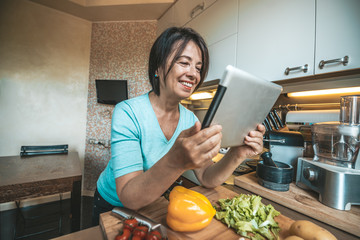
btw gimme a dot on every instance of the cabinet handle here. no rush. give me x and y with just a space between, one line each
300 68
197 8
344 61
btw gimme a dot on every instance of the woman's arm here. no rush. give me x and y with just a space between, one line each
192 149
214 174
138 189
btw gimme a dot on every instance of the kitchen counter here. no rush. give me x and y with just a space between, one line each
94 233
341 235
42 175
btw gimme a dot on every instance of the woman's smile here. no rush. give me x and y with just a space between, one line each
187 85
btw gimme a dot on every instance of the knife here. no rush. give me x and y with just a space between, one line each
266 127
128 213
268 124
273 121
278 118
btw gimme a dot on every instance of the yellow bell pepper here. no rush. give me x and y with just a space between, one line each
188 210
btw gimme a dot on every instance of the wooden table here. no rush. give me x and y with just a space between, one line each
35 176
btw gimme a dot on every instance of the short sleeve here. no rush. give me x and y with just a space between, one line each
126 153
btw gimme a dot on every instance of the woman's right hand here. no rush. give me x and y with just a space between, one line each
194 148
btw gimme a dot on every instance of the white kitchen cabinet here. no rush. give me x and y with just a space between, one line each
182 12
222 53
185 10
166 21
337 34
275 35
296 35
217 22
218 26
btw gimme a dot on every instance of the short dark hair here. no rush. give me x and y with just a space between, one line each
174 39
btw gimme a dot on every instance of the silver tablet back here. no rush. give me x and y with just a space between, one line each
245 104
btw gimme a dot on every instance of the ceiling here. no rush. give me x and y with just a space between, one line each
111 10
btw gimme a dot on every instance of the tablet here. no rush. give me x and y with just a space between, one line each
241 102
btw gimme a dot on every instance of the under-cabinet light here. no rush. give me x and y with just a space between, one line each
201 95
324 92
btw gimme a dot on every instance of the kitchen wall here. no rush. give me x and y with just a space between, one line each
119 50
44 74
49 61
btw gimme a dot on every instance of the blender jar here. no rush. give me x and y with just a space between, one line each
336 142
350 109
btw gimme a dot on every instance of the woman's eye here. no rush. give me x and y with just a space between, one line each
198 69
184 63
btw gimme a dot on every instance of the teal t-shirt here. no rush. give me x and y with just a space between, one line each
137 142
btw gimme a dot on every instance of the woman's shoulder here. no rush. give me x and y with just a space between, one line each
133 102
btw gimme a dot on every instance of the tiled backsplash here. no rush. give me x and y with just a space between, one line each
119 50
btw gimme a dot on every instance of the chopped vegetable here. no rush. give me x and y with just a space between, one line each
247 214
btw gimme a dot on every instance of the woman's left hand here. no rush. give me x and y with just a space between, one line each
253 143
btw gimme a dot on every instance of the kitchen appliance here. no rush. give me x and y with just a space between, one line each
285 147
334 172
274 175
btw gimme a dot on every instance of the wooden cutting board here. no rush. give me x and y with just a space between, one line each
305 202
157 211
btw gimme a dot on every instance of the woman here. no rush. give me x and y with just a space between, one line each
154 139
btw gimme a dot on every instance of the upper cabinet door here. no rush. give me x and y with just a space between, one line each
181 13
222 53
217 22
166 21
218 26
337 35
185 10
276 38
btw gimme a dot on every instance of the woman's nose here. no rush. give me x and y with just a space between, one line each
192 72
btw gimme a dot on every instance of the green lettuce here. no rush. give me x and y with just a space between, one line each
247 214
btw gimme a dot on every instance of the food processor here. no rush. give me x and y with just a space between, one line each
334 172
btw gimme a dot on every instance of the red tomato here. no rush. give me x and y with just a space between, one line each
130 224
153 235
136 238
124 236
141 231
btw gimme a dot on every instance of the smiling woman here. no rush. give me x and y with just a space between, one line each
154 139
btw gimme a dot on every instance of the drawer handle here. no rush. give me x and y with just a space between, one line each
197 8
300 68
344 61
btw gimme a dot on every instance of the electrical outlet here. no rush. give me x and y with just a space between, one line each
92 141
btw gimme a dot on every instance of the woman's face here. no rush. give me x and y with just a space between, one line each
184 76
